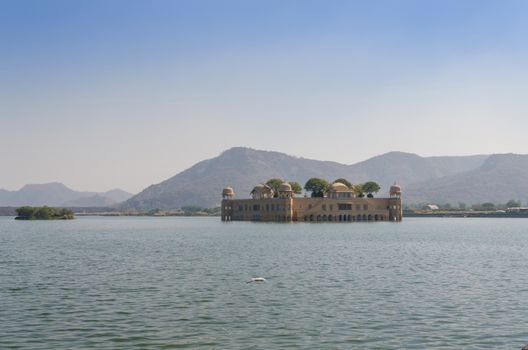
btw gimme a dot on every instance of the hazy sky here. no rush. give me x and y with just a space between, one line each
105 94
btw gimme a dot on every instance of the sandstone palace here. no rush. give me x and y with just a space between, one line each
339 203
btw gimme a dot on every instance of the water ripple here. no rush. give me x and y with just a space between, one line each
180 283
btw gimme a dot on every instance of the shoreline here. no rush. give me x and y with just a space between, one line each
464 214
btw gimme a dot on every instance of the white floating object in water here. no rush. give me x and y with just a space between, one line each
257 279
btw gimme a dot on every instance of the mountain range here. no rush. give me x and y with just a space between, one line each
56 194
500 178
447 179
472 179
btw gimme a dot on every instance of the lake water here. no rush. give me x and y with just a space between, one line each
171 283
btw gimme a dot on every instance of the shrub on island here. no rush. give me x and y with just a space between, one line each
43 213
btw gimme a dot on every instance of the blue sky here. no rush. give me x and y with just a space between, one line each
103 94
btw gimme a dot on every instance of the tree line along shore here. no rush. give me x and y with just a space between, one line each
52 213
512 208
43 213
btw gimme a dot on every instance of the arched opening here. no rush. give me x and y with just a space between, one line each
359 218
364 218
376 217
349 218
370 217
340 218
330 218
324 217
311 217
318 217
305 218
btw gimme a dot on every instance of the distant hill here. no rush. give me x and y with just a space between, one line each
92 201
407 168
116 195
57 194
243 168
500 178
468 179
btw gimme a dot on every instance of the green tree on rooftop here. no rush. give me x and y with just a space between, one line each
317 186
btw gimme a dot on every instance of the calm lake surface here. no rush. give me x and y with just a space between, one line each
171 283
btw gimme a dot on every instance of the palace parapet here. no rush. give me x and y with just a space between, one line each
339 204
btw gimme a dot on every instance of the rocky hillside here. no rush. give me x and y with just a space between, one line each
500 178
57 194
242 168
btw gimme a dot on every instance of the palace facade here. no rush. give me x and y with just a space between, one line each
339 204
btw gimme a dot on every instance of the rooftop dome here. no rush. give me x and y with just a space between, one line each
338 186
258 188
261 191
395 188
228 191
285 187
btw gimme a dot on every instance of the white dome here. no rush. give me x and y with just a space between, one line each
285 187
228 191
338 186
258 188
395 189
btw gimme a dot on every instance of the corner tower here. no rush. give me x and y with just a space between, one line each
286 194
226 209
395 203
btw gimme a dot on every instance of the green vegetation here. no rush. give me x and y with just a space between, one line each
274 184
358 190
370 188
43 213
344 182
193 210
513 203
186 210
296 187
317 186
486 207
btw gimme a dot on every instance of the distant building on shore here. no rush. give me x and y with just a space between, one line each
431 207
517 210
339 204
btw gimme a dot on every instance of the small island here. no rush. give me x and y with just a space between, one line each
43 213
